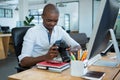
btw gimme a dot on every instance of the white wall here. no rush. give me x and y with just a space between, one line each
10 21
23 9
96 8
68 9
85 17
56 1
38 6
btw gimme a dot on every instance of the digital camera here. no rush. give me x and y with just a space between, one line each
62 46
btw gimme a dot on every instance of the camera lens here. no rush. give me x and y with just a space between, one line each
62 50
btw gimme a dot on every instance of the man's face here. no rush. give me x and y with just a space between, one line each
50 20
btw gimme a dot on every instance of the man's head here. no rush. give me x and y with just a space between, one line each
50 16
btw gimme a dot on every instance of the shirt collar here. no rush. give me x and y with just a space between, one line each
46 29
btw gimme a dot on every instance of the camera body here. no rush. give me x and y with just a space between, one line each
62 46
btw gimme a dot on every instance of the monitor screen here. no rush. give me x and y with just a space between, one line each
5 29
106 19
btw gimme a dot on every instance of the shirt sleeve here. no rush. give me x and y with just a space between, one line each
66 37
28 44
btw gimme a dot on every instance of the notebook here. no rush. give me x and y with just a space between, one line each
58 69
55 66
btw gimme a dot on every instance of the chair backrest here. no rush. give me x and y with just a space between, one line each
17 36
81 38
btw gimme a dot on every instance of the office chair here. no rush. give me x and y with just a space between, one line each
81 38
17 36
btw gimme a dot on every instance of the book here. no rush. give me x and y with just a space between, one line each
54 66
58 69
94 75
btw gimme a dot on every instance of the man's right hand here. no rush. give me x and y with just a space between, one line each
31 61
52 53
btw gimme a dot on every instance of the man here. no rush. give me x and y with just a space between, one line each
38 41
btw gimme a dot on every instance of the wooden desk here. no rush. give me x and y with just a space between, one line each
117 77
37 74
4 45
111 73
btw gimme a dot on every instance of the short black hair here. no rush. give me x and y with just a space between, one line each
50 8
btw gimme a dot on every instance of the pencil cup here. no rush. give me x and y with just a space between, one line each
78 68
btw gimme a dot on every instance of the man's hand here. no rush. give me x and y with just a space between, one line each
68 49
52 53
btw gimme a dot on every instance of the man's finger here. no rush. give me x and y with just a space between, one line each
54 48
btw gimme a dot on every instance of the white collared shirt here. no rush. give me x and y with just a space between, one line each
36 42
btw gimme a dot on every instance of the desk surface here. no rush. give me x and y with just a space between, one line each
37 74
4 45
111 73
117 77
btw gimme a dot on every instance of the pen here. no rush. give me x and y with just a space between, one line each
78 54
72 56
84 55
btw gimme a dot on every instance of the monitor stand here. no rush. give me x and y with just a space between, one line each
97 61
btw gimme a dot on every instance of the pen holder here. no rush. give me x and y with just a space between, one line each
78 68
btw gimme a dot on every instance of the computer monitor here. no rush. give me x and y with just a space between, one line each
5 29
100 37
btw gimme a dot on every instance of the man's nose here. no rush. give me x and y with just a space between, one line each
53 23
